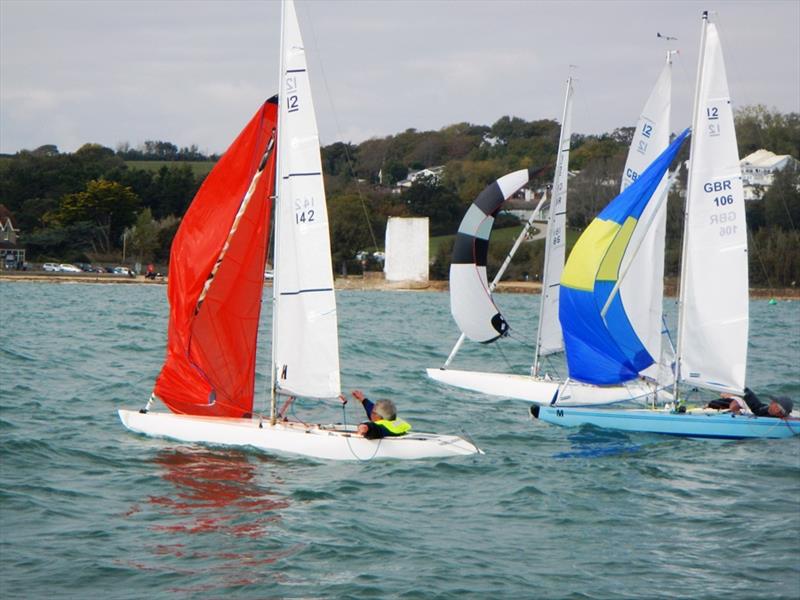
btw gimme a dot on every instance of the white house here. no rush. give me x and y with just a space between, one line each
435 173
758 170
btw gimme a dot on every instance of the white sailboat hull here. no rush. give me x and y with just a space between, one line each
333 442
543 391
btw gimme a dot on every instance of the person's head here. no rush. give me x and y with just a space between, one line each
780 406
384 409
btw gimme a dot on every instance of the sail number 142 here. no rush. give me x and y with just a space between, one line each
304 210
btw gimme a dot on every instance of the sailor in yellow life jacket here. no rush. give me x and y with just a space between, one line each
383 421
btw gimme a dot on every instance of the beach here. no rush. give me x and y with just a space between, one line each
374 281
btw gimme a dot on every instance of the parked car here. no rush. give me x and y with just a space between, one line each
51 267
123 271
67 268
86 267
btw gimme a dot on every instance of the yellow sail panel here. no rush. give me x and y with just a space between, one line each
609 268
587 255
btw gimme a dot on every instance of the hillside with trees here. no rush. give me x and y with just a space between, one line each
88 205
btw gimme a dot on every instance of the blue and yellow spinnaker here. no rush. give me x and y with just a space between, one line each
604 349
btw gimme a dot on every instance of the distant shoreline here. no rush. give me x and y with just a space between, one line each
354 282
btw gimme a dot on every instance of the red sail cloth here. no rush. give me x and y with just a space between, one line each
209 369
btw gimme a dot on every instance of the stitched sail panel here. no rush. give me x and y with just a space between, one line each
216 276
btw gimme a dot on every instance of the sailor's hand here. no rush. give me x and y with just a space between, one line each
359 395
342 398
362 429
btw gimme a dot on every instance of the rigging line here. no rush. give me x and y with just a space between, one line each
520 340
294 414
552 365
345 145
792 170
752 240
505 358
347 438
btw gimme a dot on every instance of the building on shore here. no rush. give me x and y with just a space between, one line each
758 171
12 253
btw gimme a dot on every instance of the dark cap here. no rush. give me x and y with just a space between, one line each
785 402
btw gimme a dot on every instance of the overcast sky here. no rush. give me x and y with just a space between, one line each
193 72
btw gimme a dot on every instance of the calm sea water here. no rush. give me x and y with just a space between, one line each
88 510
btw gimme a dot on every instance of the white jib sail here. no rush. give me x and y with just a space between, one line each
642 290
550 338
713 325
305 338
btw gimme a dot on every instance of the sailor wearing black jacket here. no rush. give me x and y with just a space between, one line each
779 406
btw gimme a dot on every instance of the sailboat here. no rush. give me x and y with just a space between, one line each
713 317
650 138
216 285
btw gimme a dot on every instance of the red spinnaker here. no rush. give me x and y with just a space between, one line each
211 345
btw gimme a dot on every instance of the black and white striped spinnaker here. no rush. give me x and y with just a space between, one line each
471 300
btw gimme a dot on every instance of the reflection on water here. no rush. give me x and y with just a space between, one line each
592 442
219 499
216 491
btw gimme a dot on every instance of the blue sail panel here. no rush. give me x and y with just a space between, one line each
593 356
620 327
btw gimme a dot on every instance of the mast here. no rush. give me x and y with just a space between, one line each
690 179
557 203
275 221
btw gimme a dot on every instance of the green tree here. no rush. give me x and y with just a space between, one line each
172 190
759 127
428 198
109 206
143 236
782 200
59 244
167 228
349 233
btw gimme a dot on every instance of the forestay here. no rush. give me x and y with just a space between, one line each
305 339
713 327
471 300
643 286
602 347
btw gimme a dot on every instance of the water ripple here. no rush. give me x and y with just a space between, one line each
546 513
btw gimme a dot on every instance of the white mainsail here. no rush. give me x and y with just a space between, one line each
643 285
549 338
305 339
713 319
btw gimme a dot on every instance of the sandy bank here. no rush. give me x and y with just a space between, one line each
356 282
